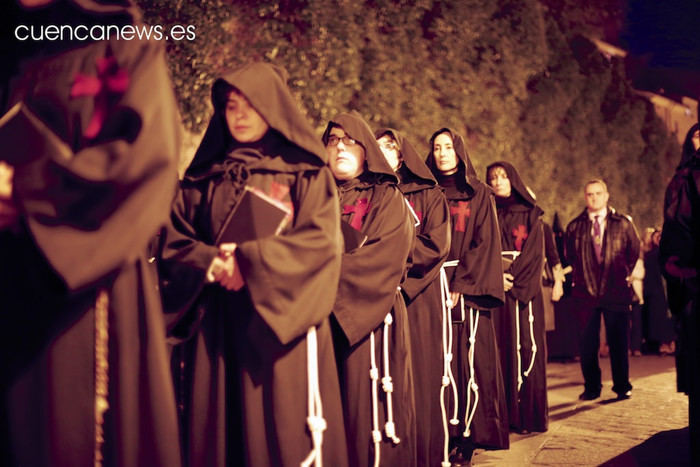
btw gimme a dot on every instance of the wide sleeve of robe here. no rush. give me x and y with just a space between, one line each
479 274
527 267
100 207
432 244
292 278
183 263
371 274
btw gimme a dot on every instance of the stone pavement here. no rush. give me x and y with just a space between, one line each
649 429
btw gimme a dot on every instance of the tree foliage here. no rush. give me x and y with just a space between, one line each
520 79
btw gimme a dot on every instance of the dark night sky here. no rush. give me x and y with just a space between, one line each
663 40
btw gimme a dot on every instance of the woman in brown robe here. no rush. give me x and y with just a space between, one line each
519 324
257 380
475 287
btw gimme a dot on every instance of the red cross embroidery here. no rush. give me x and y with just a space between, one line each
462 210
109 80
419 214
520 234
280 191
360 209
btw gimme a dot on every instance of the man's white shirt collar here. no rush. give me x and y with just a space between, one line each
601 212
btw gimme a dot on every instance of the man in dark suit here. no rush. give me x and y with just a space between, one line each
602 246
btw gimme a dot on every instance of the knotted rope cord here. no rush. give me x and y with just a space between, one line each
314 419
387 384
517 343
374 376
447 376
470 410
531 319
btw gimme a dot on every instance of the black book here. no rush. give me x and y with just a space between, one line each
353 238
256 215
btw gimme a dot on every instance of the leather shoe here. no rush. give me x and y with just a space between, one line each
588 395
624 395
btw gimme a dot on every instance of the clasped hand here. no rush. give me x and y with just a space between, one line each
224 268
507 281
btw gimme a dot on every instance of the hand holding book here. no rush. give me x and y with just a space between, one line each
507 281
224 268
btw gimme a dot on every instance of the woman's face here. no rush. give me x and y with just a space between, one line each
244 122
346 157
499 181
696 139
390 150
444 154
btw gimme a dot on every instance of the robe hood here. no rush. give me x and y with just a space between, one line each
355 126
264 85
516 184
420 177
464 164
689 154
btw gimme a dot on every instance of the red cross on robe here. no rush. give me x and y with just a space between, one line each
462 210
419 214
359 209
110 80
520 234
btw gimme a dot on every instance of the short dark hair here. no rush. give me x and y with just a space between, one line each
596 180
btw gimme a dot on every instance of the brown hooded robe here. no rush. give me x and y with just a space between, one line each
476 244
680 246
519 219
421 290
368 292
89 204
243 374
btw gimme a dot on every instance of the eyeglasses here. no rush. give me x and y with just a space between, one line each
390 145
333 140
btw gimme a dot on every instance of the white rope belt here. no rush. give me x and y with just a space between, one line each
470 409
531 319
518 345
374 376
314 420
447 375
387 387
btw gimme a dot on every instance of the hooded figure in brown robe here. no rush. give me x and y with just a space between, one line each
522 342
371 326
474 286
84 373
679 256
250 390
421 288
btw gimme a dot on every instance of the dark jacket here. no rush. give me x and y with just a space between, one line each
605 282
